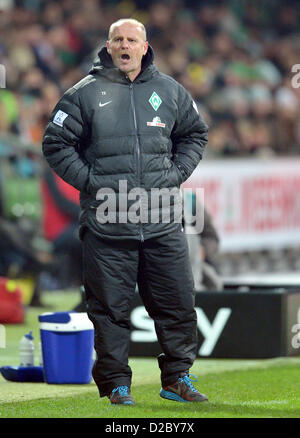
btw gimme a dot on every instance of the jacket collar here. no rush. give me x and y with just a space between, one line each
105 67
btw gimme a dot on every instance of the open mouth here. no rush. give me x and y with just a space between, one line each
125 57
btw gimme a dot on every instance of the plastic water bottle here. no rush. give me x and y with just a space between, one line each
27 350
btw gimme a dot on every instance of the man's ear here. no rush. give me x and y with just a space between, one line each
107 47
146 48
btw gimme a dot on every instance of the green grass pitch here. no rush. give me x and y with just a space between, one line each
268 388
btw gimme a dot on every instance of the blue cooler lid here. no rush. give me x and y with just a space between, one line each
65 321
59 317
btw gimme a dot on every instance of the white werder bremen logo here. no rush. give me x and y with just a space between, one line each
155 101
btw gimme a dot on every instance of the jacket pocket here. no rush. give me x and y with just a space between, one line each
91 184
174 175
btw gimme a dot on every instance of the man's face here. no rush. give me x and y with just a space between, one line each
127 47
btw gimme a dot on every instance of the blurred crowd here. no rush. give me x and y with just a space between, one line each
235 58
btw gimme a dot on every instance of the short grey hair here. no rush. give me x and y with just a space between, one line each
127 20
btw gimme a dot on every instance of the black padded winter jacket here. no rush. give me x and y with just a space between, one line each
117 140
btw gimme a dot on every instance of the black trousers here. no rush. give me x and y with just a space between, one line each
162 270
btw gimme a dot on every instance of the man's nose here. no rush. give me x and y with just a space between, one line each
125 44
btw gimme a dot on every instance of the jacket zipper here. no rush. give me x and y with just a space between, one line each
138 155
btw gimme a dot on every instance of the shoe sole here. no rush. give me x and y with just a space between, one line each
175 397
128 403
172 396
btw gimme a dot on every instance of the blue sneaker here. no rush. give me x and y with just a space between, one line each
121 396
183 391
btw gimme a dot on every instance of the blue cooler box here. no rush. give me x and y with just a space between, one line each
67 341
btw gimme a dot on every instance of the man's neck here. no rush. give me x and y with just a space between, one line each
132 75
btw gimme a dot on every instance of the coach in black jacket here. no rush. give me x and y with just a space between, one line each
127 136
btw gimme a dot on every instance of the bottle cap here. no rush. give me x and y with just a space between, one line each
29 335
